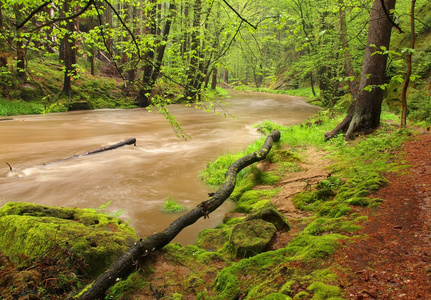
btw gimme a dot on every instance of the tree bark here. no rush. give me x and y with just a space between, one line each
346 50
69 52
193 74
409 66
20 53
128 262
364 116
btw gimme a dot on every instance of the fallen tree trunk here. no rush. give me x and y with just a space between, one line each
112 147
131 141
128 262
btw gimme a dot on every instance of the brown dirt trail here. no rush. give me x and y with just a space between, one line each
394 262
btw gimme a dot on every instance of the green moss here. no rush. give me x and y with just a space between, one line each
251 237
213 239
331 225
250 199
277 296
36 230
133 283
301 295
171 206
322 291
285 155
227 286
308 247
266 210
287 287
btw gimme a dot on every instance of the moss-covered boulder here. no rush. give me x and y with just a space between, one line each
32 231
251 237
269 213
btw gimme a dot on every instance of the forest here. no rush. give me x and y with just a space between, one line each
365 63
156 53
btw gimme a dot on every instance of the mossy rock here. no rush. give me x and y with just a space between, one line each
249 199
251 237
29 92
212 239
34 231
269 213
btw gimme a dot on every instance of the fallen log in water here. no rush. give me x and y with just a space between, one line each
103 149
128 262
107 148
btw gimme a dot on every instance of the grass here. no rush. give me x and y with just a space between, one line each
41 94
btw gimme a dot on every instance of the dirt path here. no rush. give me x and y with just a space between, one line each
395 261
313 171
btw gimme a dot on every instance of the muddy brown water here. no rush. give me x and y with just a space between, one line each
136 180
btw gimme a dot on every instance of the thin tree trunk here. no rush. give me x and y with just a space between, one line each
192 84
128 262
409 66
20 53
69 54
345 44
214 79
151 72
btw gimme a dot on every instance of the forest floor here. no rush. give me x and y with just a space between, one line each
394 261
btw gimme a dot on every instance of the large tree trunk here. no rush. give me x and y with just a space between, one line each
364 116
128 262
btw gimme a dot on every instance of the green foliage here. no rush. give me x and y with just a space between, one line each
11 108
171 206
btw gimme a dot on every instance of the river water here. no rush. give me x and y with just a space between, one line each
136 180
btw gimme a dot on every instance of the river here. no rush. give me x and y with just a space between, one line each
136 180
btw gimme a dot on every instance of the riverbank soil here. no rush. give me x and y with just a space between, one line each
394 260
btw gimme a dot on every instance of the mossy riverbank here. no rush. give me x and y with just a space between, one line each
283 257
297 261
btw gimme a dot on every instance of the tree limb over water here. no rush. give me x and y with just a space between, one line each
128 262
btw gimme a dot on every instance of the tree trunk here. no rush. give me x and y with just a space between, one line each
364 115
20 53
409 66
145 90
152 71
69 54
214 79
193 74
346 51
128 262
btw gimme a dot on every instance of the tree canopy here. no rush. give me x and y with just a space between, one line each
192 45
